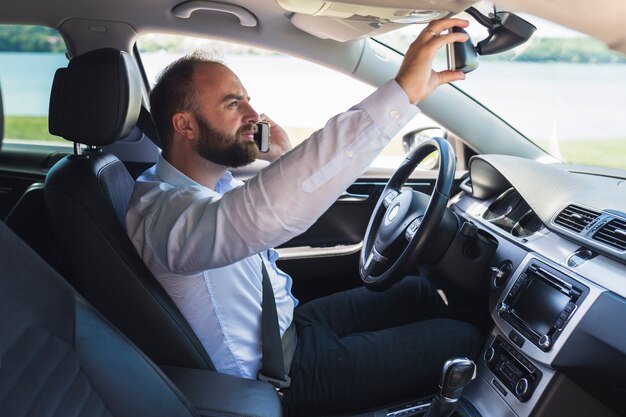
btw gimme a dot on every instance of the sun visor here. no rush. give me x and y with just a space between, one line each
354 19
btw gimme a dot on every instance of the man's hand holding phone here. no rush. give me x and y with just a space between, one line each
277 140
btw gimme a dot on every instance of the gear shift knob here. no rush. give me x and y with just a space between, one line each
457 374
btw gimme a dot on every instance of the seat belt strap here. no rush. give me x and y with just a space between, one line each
273 364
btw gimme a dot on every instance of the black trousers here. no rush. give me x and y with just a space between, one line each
359 349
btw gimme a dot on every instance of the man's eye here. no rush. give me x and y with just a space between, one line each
233 104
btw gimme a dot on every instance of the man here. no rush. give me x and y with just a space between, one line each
205 235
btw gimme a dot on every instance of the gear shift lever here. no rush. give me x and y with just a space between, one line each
457 374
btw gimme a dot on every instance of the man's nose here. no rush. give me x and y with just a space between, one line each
250 115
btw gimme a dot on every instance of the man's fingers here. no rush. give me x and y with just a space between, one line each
450 38
448 76
439 26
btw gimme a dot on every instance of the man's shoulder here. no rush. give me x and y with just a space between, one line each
149 191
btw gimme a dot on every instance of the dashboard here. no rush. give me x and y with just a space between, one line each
557 284
511 213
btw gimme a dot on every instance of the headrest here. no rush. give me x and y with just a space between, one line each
96 99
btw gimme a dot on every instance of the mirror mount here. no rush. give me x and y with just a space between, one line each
506 31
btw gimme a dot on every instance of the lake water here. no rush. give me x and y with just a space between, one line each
542 100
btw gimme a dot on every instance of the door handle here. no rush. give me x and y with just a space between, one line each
353 197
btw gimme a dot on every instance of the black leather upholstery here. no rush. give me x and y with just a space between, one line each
225 395
59 354
87 196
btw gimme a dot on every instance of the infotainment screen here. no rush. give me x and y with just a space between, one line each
539 305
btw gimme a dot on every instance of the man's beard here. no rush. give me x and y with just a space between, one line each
224 149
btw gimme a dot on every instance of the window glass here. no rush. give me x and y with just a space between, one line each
298 95
29 57
562 89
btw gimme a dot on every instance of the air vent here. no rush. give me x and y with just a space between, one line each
613 234
575 217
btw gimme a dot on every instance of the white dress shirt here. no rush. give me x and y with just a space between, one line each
202 245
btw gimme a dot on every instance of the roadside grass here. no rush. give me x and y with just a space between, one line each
608 153
28 127
602 152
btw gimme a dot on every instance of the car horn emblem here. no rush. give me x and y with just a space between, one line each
393 213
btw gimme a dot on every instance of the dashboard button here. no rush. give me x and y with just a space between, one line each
545 342
523 389
490 355
516 338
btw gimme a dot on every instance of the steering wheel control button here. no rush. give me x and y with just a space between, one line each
412 229
391 195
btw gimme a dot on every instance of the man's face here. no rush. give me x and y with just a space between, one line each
225 119
224 149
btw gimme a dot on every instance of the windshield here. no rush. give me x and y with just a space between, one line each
563 90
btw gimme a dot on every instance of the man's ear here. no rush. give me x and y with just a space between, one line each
184 124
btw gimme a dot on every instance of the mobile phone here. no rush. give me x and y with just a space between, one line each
262 136
462 56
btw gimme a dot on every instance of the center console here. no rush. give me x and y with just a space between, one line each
534 314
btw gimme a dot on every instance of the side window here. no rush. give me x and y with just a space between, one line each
298 95
29 57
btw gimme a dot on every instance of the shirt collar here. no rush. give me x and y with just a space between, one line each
169 174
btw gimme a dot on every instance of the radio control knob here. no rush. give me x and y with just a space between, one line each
490 355
503 308
523 389
545 342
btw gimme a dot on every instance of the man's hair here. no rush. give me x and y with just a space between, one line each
174 92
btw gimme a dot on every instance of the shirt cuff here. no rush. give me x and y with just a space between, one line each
389 108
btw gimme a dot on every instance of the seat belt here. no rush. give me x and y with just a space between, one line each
147 126
273 363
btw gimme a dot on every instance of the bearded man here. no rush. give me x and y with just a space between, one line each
207 237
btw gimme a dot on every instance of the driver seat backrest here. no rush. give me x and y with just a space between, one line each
95 101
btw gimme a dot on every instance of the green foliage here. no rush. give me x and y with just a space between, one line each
15 38
572 50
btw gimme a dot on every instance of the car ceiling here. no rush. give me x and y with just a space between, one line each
600 18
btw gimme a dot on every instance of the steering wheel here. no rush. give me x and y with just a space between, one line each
404 220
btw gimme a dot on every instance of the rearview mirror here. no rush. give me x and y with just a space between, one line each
506 31
461 55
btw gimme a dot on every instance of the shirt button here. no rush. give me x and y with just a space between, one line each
349 154
394 114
